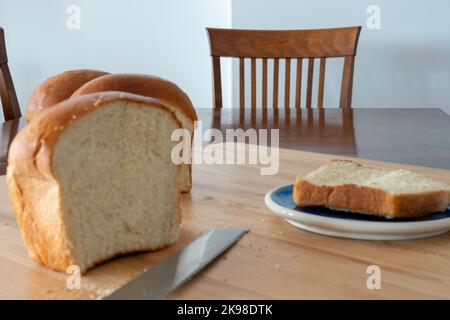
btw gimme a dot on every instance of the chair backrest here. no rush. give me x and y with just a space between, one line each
289 45
11 109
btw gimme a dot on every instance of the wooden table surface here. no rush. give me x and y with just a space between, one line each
411 136
274 260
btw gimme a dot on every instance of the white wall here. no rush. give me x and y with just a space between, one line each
406 63
165 38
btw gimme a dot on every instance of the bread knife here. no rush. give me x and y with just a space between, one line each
159 281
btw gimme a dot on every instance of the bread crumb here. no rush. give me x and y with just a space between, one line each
262 220
50 290
277 266
100 294
96 292
6 223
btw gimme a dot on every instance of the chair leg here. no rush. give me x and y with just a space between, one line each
11 109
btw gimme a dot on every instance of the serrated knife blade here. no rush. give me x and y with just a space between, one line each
159 281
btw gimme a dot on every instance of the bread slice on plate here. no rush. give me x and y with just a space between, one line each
349 186
92 178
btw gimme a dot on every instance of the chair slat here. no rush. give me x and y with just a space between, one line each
347 82
217 83
253 83
10 103
321 82
8 96
264 83
287 83
242 82
310 82
276 63
298 85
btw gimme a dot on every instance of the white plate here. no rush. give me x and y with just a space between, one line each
354 226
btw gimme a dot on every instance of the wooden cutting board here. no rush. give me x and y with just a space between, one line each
274 260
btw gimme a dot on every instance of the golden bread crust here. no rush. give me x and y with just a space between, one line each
58 88
150 86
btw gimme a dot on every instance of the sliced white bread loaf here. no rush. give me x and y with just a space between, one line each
347 185
92 178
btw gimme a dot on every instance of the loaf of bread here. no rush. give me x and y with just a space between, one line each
92 178
58 88
349 186
150 86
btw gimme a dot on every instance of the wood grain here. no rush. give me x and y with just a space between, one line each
334 42
291 264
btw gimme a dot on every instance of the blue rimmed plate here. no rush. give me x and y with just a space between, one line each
351 225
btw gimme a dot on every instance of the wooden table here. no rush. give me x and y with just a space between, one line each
274 260
413 136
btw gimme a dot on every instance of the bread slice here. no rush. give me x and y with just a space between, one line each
151 86
92 178
347 185
58 88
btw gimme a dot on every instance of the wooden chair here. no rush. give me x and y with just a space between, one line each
284 44
8 95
